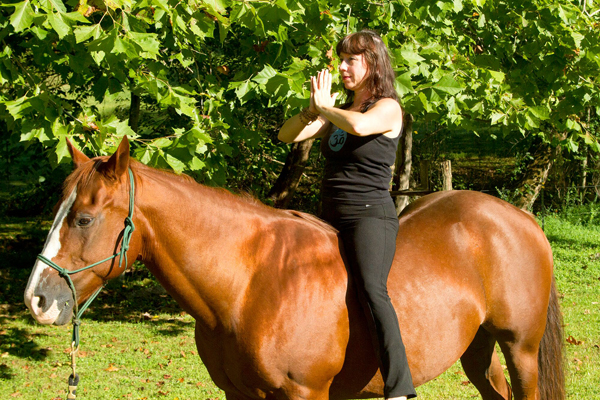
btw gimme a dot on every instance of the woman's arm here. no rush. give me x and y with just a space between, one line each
294 130
385 117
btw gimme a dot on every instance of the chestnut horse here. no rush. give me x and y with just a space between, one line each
276 314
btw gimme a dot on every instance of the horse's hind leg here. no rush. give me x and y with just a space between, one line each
483 368
522 363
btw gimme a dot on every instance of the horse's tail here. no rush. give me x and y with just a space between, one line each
551 378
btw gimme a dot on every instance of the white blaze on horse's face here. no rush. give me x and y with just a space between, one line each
36 284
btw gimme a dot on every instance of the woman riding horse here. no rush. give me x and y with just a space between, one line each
359 142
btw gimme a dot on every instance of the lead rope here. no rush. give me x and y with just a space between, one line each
73 378
77 313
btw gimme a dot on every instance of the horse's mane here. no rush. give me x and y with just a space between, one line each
82 176
143 169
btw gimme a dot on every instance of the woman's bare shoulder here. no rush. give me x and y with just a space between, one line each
388 103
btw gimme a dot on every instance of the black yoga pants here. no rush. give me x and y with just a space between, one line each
368 233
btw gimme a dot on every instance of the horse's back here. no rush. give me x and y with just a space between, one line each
470 235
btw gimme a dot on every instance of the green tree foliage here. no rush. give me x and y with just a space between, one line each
221 73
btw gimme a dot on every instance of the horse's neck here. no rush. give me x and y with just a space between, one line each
191 243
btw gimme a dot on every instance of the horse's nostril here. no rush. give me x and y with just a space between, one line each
41 302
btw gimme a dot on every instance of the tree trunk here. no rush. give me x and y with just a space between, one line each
134 112
535 174
404 163
283 190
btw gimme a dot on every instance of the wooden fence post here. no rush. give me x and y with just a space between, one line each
447 175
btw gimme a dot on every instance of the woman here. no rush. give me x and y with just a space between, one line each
359 142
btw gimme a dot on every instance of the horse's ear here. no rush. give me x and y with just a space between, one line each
78 157
118 163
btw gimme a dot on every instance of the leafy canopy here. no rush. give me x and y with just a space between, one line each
218 75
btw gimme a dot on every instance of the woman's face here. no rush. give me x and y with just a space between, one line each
354 71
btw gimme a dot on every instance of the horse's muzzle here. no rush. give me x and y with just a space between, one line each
51 307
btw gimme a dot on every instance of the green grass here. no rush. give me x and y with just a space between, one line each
137 344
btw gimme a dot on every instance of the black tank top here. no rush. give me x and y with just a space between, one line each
358 168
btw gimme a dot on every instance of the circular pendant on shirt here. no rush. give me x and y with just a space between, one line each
337 140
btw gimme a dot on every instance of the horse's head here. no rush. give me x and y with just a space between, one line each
88 227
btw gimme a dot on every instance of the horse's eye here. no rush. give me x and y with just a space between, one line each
84 221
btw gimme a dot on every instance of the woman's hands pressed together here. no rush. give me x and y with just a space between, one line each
320 92
296 129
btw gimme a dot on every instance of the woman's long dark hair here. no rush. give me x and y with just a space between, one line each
380 74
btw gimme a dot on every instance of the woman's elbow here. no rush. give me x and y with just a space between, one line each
361 129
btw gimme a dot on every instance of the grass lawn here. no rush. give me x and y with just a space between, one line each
137 344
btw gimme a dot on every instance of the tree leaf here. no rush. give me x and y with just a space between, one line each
424 103
448 85
175 163
577 38
572 125
238 10
531 122
497 117
40 33
147 41
264 75
572 145
125 46
458 5
59 5
76 16
62 151
105 43
202 136
403 84
410 56
83 33
202 26
540 112
18 108
162 142
116 127
146 154
243 90
497 76
279 89
196 164
22 18
59 25
219 6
